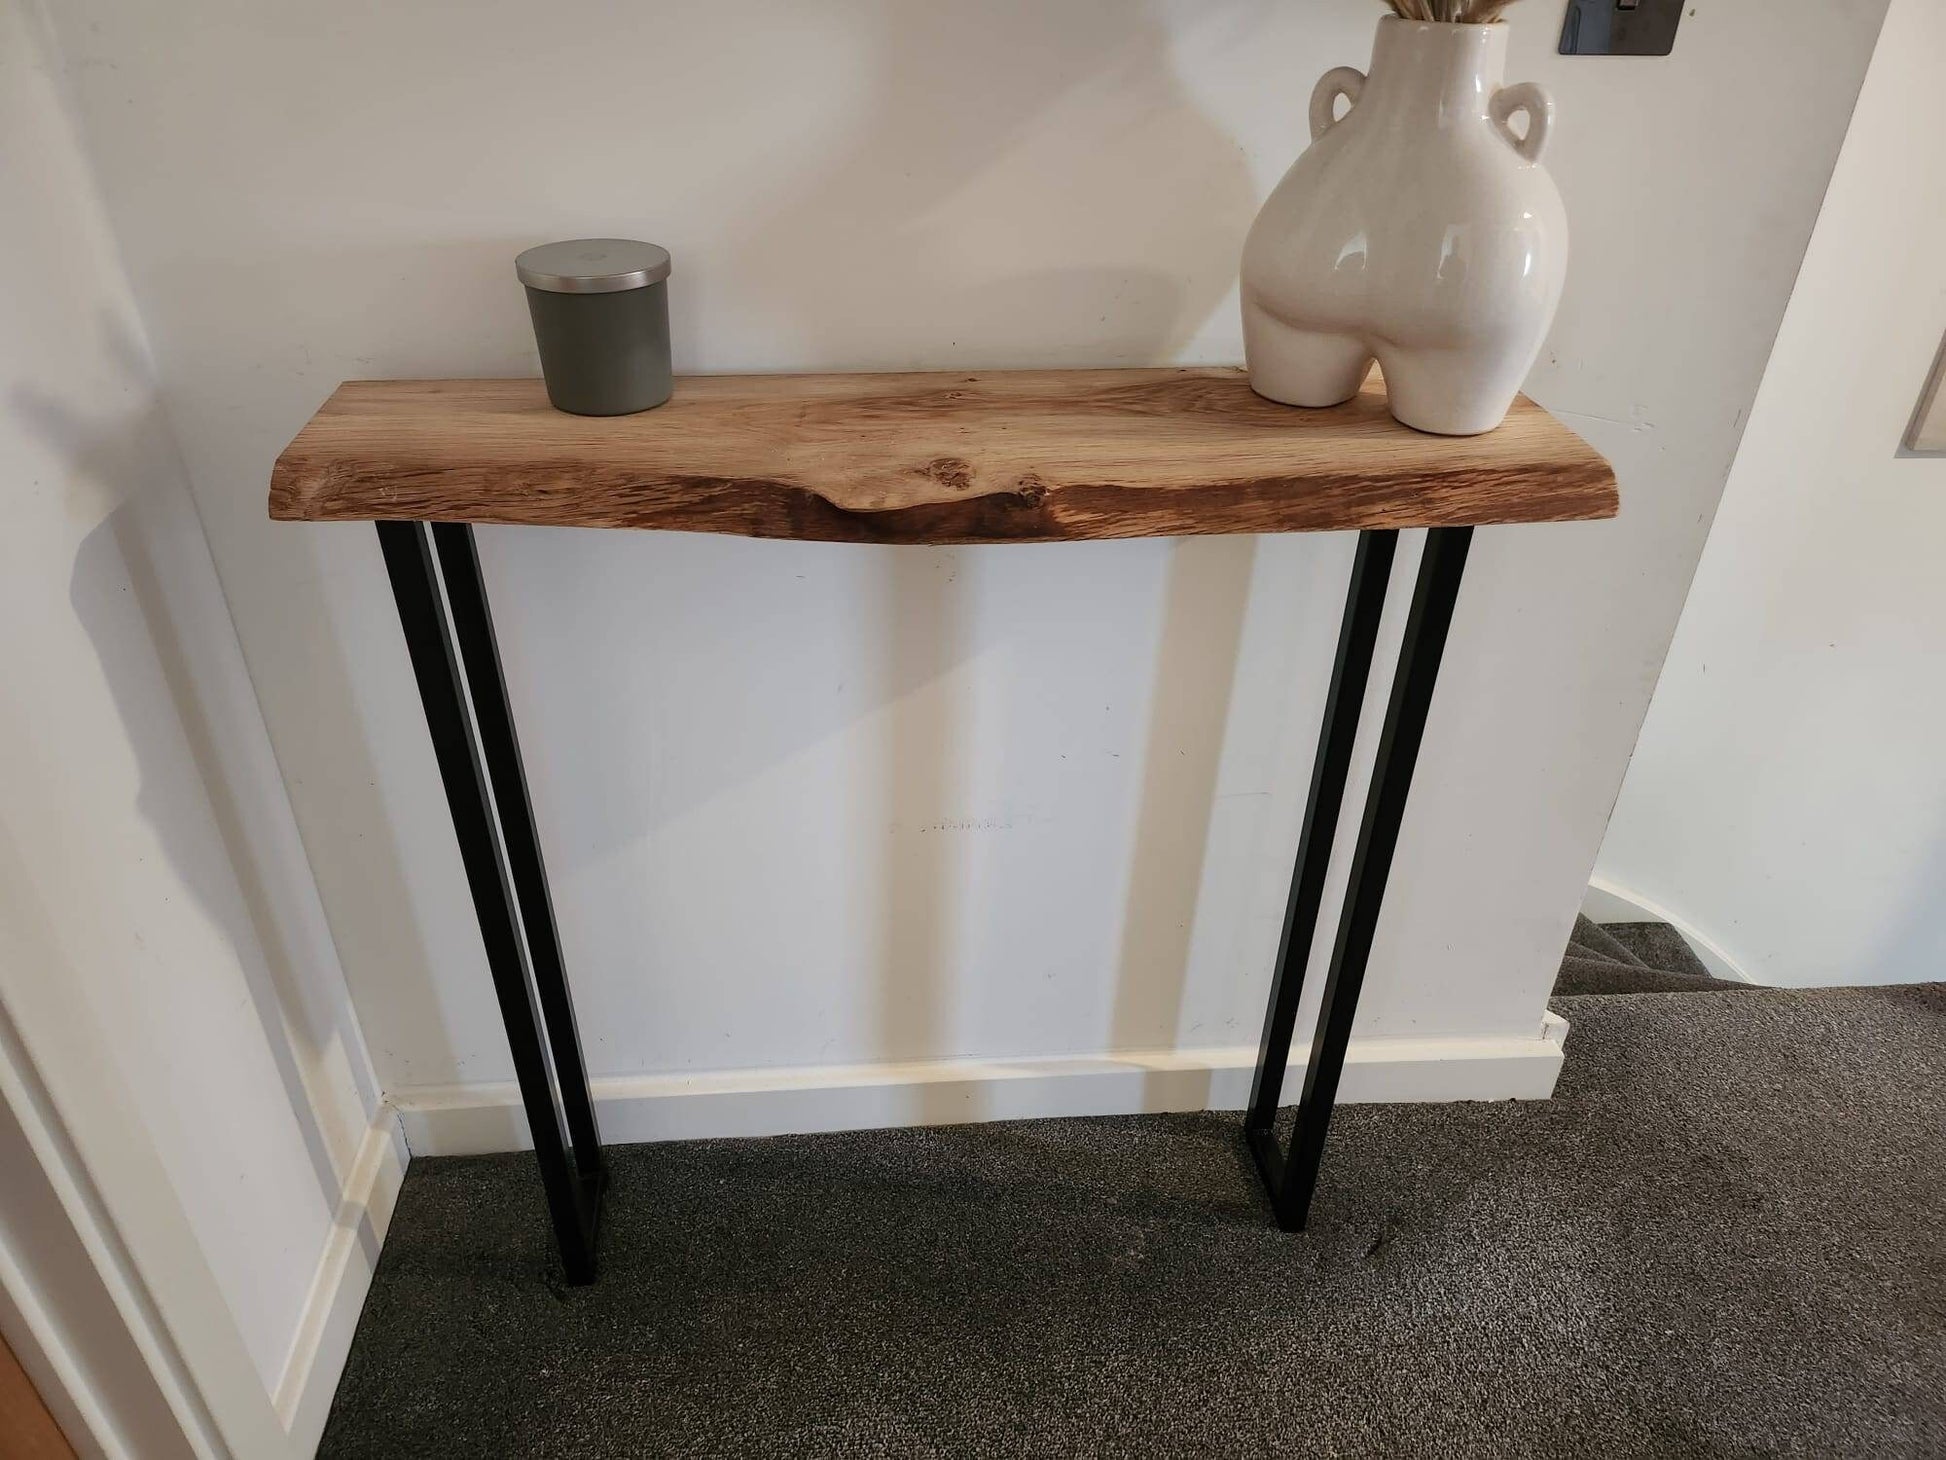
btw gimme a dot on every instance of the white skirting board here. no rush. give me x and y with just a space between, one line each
455 1120
343 1277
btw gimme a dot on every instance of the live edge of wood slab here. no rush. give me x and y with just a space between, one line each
949 457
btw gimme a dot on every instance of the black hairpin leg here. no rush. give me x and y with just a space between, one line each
1291 1175
449 633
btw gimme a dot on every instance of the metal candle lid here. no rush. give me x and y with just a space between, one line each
592 266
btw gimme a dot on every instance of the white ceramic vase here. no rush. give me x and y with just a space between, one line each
1419 229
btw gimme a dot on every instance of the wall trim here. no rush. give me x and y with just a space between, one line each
329 1317
1605 902
40 1346
454 1120
104 1243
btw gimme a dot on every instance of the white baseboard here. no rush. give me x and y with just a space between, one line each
343 1277
452 1120
1607 903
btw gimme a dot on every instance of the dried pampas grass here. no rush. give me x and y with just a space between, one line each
1451 12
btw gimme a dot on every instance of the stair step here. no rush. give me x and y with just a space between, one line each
1583 976
1657 945
1593 940
1634 958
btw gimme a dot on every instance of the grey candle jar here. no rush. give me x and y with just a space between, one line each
601 319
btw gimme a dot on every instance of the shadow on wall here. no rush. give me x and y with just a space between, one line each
1202 630
957 94
978 145
120 597
930 634
134 630
900 222
987 132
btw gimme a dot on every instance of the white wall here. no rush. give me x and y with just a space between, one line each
1788 798
812 805
174 1027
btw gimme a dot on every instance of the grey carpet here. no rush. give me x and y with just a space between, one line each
1657 945
1726 1235
1634 958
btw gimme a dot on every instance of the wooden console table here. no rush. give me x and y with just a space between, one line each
979 457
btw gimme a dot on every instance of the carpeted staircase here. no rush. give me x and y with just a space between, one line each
1634 958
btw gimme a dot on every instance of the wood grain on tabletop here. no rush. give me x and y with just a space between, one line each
948 457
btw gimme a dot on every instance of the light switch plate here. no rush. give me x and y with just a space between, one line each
1621 28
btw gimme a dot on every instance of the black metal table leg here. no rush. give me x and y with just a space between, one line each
449 632
459 565
1350 671
1291 1175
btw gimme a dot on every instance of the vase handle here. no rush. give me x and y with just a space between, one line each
1345 81
1527 97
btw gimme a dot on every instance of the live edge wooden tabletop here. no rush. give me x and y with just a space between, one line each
965 456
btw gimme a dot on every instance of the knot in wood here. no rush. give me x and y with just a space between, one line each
952 472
